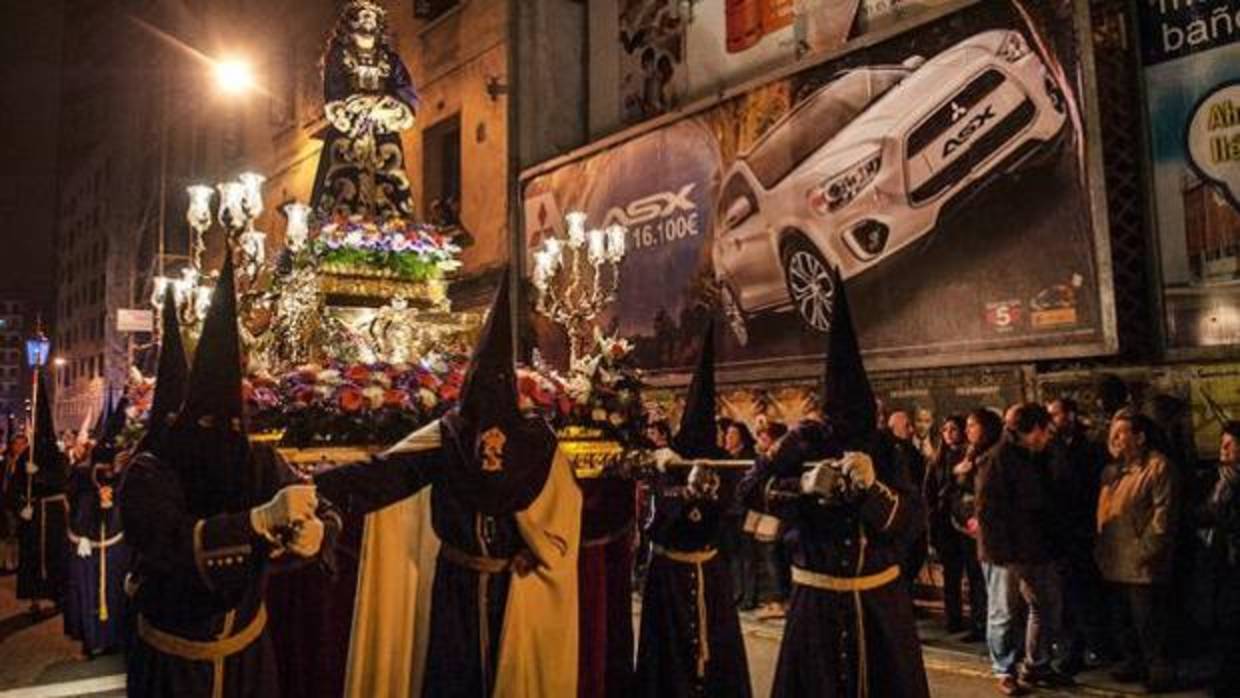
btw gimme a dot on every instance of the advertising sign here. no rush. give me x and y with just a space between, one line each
130 320
673 52
946 169
1191 52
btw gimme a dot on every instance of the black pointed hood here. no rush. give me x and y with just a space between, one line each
697 436
213 396
105 447
499 457
46 451
848 404
171 376
207 442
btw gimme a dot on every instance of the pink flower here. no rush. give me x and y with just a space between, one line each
357 374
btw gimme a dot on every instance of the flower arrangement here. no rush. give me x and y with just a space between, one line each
395 247
353 403
602 391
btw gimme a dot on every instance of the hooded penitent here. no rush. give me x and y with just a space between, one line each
105 448
498 458
848 404
171 376
46 451
696 437
206 442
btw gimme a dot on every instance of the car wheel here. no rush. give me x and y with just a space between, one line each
811 285
735 316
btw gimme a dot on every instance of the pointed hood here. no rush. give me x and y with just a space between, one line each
490 389
105 448
171 377
848 404
697 436
207 441
499 457
213 395
105 411
46 450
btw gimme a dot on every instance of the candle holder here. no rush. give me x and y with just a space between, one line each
577 277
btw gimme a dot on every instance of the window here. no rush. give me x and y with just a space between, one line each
431 9
441 171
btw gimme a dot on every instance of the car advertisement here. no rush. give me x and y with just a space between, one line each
942 169
1191 53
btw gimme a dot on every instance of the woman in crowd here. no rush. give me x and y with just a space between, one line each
956 550
983 429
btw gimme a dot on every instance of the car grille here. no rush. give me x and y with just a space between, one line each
978 151
943 119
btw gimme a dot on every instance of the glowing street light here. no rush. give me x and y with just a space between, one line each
234 75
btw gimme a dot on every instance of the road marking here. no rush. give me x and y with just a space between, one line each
83 687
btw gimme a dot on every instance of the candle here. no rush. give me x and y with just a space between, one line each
576 229
199 213
598 246
616 243
298 229
252 198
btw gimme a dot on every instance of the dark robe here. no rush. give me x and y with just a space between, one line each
200 579
467 604
95 603
311 611
852 643
363 174
670 659
41 540
605 589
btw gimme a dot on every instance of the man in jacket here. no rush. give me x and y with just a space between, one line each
1014 506
1076 464
1136 530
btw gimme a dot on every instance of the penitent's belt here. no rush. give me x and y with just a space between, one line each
826 582
214 651
485 567
696 558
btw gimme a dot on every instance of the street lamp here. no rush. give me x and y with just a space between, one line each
234 75
38 347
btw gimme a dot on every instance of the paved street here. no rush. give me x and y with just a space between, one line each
37 661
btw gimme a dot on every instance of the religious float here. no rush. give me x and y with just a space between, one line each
349 337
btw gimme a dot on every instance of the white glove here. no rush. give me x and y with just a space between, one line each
27 513
822 480
291 505
859 469
83 547
664 457
703 482
31 468
308 538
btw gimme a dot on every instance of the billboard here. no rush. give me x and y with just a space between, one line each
1191 53
667 54
946 167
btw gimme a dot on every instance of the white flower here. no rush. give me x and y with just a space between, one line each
381 378
598 414
427 398
374 395
331 376
579 388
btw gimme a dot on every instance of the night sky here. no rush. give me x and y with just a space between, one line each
30 49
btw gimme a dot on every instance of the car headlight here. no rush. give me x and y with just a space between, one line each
838 191
1014 47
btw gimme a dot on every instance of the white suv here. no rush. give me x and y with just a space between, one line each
870 163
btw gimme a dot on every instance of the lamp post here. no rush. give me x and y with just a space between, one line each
38 346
